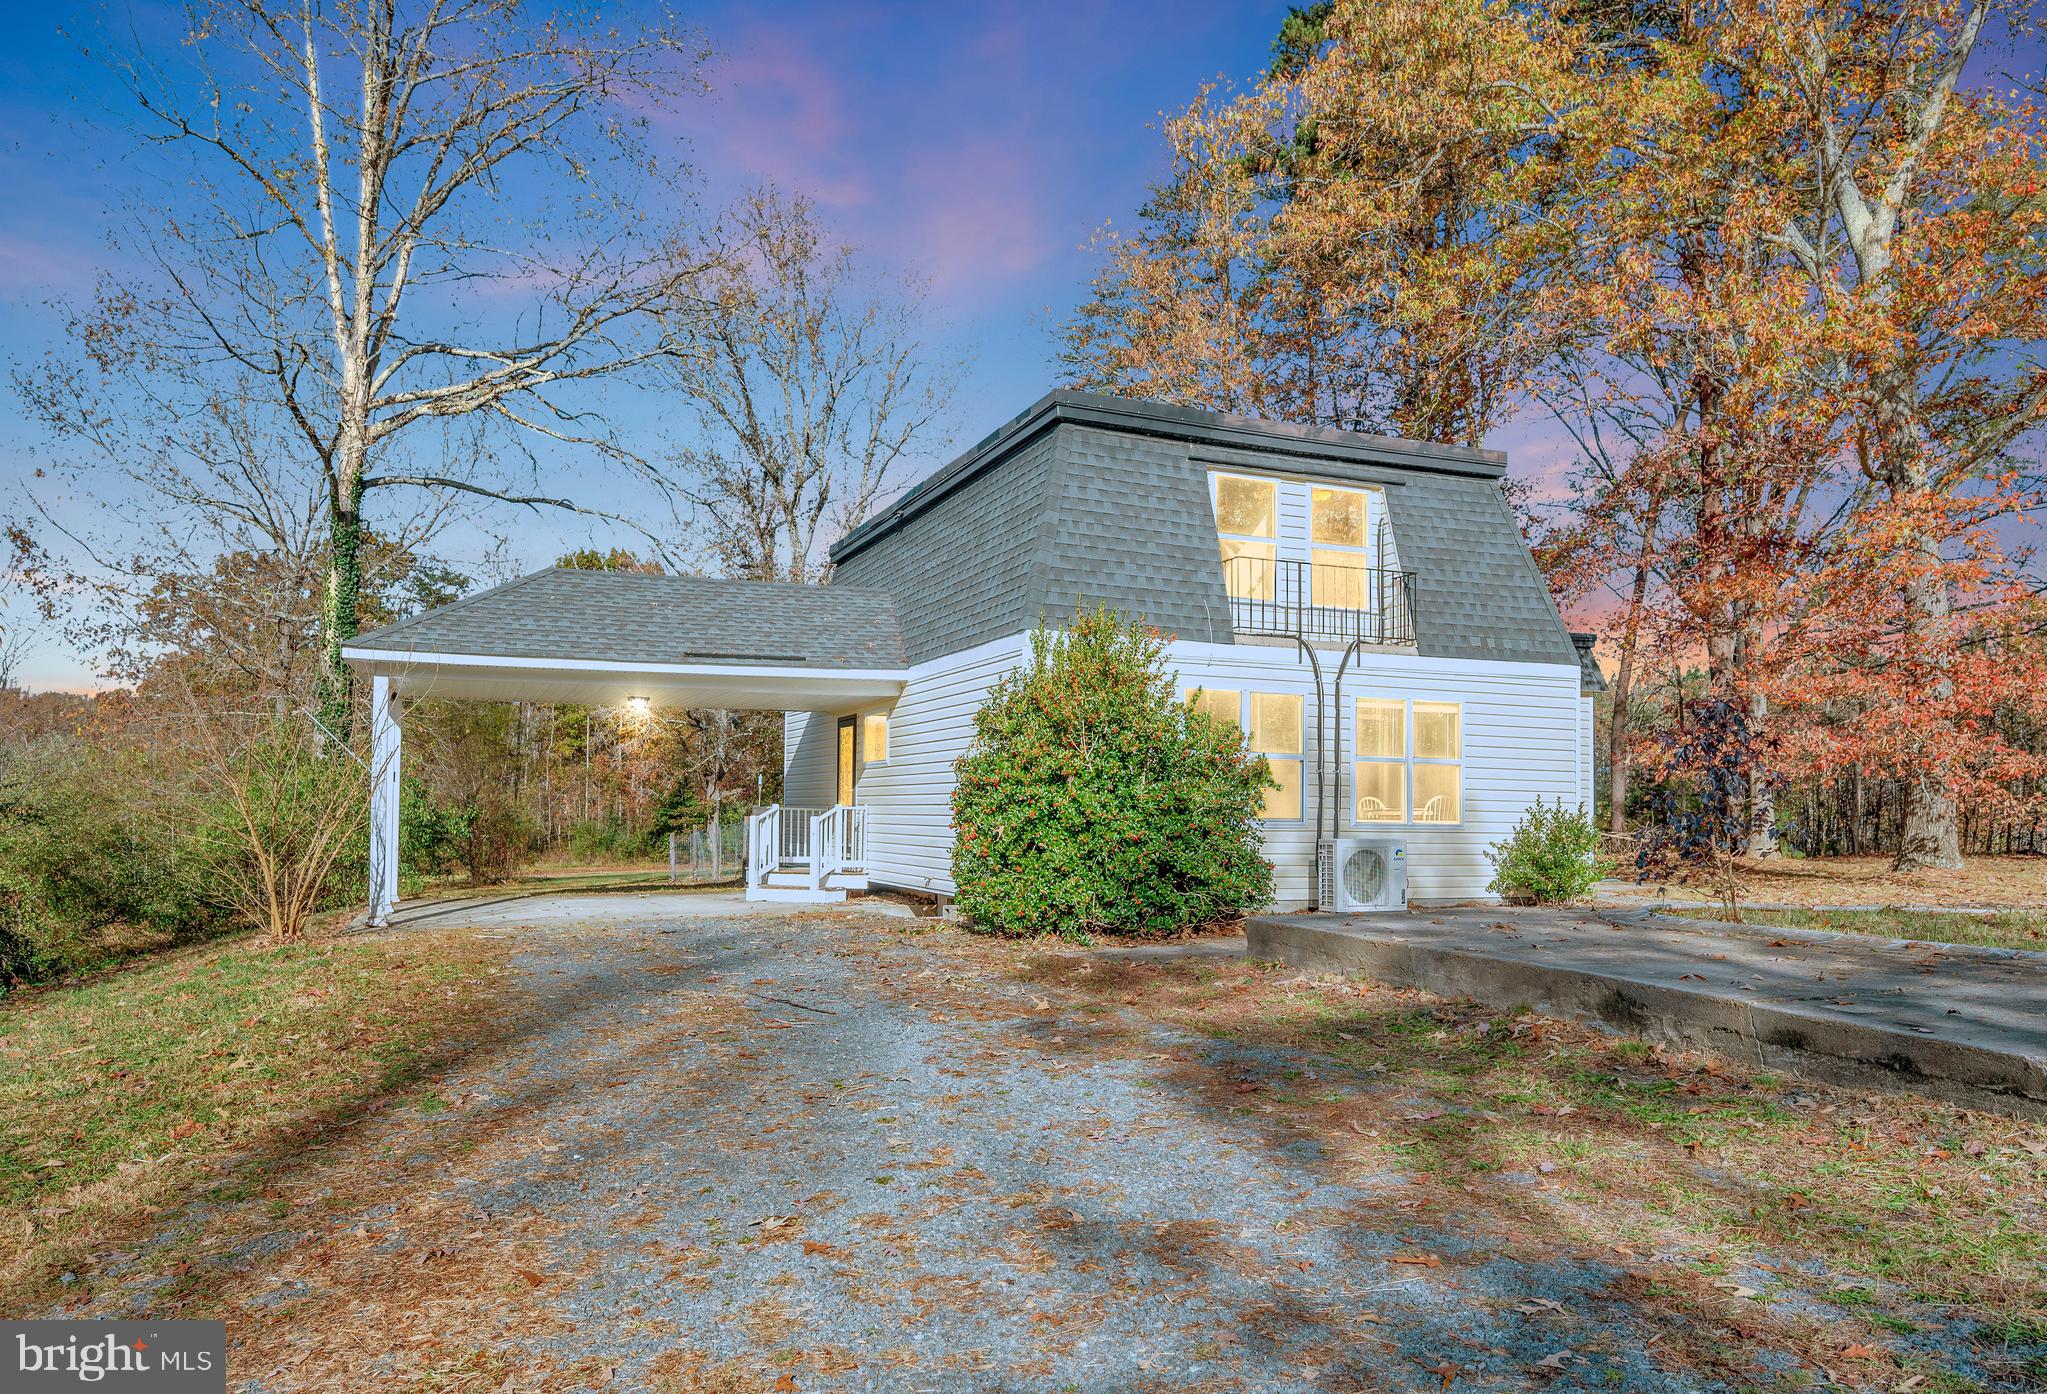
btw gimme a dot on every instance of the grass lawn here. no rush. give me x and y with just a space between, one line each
185 1075
2005 929
564 879
2016 882
1713 1182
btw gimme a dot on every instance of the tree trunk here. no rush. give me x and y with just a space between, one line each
1623 687
1929 834
340 600
1762 807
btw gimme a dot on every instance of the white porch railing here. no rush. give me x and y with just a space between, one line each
822 842
763 838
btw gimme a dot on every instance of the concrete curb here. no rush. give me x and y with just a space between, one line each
1766 1035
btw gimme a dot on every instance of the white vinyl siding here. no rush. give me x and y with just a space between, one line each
810 759
909 799
1525 734
1522 728
1586 761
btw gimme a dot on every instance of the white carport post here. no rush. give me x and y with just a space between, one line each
386 740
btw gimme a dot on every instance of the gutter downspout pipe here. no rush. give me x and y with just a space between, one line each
1316 663
1334 750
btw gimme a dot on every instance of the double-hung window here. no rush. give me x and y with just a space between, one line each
1247 525
1407 756
1274 726
1337 556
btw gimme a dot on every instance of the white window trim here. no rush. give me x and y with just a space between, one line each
1244 696
1406 761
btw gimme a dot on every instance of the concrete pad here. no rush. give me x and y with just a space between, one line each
1952 1021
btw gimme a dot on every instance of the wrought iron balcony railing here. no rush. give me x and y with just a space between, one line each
1320 600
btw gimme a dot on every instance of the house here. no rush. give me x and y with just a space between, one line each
1364 607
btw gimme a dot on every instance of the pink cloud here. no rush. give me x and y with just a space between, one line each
976 210
780 114
29 268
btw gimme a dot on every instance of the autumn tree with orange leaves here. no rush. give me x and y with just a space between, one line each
1777 270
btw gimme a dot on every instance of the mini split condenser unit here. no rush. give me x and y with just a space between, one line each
1362 873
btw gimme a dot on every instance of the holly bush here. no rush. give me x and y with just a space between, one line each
1092 800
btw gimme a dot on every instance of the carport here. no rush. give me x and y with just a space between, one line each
627 639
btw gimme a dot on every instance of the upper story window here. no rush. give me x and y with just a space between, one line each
1269 528
1338 557
1247 522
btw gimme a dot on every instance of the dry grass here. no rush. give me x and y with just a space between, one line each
2004 929
2005 882
1683 1162
133 1093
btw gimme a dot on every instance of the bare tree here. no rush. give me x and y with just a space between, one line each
403 214
807 384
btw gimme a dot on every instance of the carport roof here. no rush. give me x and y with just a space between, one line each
629 618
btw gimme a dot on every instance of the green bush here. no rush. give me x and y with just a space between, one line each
1552 856
500 837
1092 801
608 840
431 834
90 872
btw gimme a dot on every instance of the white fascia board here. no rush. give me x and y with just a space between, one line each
388 660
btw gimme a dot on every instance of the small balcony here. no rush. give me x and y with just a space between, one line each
1320 601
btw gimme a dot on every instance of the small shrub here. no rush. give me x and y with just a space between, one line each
1552 856
607 840
90 872
499 838
1093 801
430 833
278 809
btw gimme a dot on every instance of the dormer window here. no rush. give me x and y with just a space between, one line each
1247 523
1308 559
1338 557
1273 530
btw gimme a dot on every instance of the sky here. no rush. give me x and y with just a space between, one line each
977 146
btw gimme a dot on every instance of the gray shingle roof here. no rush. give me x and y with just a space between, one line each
627 617
1592 678
1105 500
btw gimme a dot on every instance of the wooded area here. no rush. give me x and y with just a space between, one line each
1774 274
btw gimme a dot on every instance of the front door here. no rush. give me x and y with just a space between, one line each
848 734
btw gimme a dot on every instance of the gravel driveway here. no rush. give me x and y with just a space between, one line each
808 1152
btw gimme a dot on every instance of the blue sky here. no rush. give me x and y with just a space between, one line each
978 146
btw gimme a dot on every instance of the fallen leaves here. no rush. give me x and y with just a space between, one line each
769 1229
1417 1260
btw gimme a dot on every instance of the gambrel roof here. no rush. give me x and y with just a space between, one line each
1087 499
